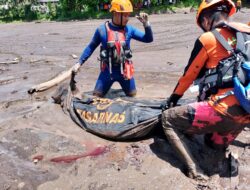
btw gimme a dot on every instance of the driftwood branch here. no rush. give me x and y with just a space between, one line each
46 85
9 62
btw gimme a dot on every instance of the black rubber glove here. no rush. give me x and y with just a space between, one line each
164 106
172 100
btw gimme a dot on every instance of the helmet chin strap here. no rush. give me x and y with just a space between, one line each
203 29
211 20
212 23
121 19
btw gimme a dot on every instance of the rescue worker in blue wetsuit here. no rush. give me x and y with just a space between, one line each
115 53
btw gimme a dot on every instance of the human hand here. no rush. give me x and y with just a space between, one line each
172 100
164 106
76 68
143 18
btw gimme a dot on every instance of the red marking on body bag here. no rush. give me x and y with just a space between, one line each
204 115
67 159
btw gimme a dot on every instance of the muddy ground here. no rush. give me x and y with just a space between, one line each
33 129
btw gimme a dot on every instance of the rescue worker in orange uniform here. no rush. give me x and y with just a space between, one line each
219 121
115 53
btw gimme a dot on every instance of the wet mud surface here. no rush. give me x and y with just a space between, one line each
34 131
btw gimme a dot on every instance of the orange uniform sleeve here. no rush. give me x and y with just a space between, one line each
195 66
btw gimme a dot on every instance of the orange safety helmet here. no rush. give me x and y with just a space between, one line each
121 6
211 5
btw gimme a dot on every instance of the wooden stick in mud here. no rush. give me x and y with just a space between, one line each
9 62
46 85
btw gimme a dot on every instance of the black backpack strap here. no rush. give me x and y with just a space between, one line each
222 40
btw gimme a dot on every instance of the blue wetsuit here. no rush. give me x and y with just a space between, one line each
105 79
